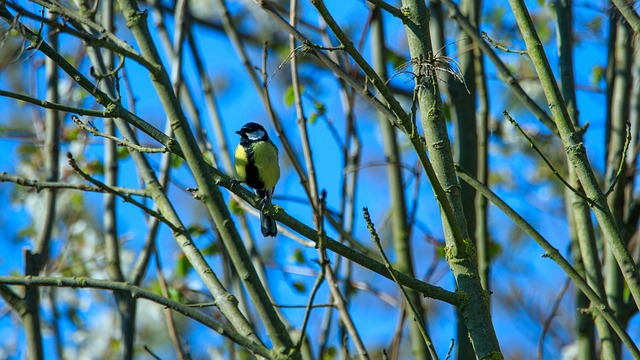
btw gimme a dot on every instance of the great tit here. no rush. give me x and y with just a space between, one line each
256 164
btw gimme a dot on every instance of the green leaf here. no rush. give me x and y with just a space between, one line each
176 161
595 25
440 250
298 256
182 266
495 249
329 353
446 109
95 167
72 134
155 287
196 230
122 152
77 201
597 74
289 97
175 294
313 118
320 107
235 207
395 60
299 286
27 232
211 249
28 149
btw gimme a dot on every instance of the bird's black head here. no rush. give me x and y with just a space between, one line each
252 132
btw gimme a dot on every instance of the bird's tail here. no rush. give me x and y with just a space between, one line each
267 224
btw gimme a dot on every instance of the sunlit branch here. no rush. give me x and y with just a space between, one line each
332 280
314 290
138 292
112 107
627 10
121 45
544 158
552 314
39 185
623 158
125 197
576 151
390 9
597 304
121 142
503 70
499 46
55 106
417 315
107 42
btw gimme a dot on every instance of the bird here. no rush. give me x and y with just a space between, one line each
256 164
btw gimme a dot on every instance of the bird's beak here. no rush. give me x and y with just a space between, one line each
239 132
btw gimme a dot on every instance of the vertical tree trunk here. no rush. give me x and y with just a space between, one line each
460 253
399 223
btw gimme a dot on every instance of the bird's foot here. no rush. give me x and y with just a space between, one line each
263 204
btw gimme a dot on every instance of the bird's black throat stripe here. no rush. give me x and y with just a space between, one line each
253 178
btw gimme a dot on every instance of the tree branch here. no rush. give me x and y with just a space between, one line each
138 292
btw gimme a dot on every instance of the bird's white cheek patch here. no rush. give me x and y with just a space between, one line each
256 135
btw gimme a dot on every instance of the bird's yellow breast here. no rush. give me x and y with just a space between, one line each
240 163
259 166
265 159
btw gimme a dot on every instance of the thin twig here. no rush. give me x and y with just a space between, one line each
121 142
310 306
125 197
450 350
627 10
623 158
433 63
339 71
598 305
121 46
174 335
89 86
55 106
394 348
314 306
499 46
138 292
284 140
417 317
303 49
502 69
39 185
325 328
390 9
105 100
552 314
312 185
146 348
544 158
332 280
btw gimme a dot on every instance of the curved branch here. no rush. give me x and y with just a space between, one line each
138 292
597 304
